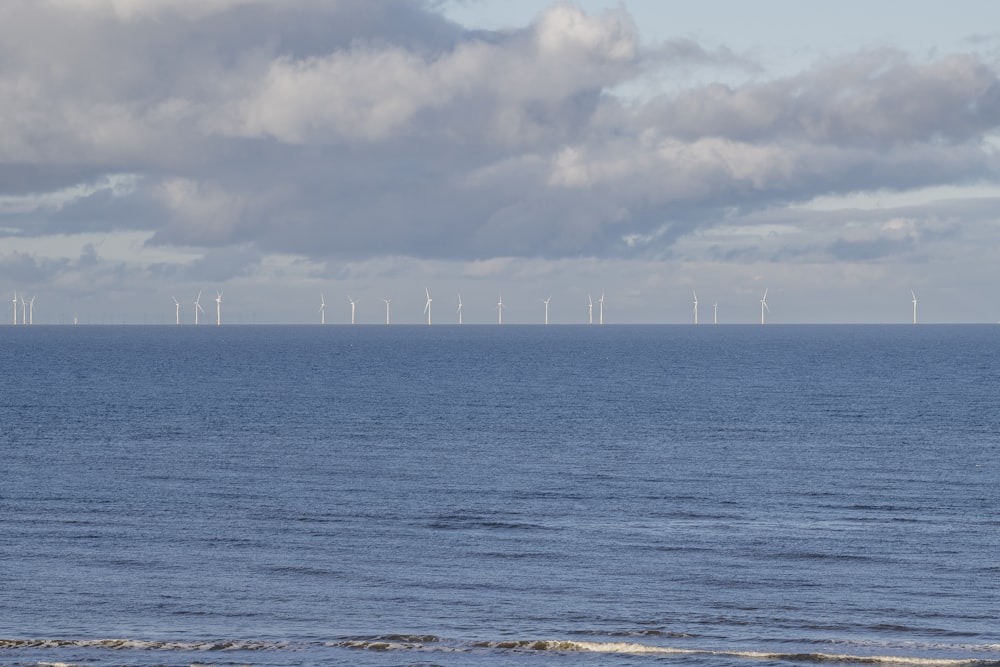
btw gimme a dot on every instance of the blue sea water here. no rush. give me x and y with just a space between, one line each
485 495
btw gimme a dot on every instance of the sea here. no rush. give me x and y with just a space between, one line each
545 496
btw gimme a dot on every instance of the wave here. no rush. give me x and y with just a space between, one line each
639 649
413 643
142 644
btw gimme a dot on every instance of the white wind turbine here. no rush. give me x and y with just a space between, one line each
427 306
590 310
197 307
500 309
322 308
546 302
715 313
31 311
352 308
177 310
763 306
914 306
459 308
387 302
24 305
15 308
601 303
218 308
695 306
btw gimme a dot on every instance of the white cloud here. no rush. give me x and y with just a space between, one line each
353 133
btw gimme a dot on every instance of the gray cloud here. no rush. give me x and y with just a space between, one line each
351 130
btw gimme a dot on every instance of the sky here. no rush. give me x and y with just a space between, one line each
838 156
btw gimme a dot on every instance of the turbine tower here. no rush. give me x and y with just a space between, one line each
715 313
695 306
601 303
218 308
546 302
322 309
24 305
197 307
15 308
763 306
914 306
590 310
177 310
427 306
31 311
352 308
459 307
387 301
500 309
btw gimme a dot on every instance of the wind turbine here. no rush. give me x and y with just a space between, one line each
914 306
715 313
31 311
601 303
763 306
24 304
387 301
500 309
590 310
322 309
177 310
218 308
352 308
15 308
695 306
197 307
427 306
546 302
459 307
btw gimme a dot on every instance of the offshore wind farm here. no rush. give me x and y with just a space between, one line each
22 312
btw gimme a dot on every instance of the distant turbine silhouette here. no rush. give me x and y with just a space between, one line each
459 308
352 308
715 313
15 308
177 310
500 309
218 308
387 301
197 307
31 311
601 302
546 302
590 310
24 305
695 306
914 306
322 308
427 306
763 306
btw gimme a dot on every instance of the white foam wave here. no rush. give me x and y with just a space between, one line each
640 649
411 643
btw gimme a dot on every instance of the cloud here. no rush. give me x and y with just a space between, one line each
351 131
520 84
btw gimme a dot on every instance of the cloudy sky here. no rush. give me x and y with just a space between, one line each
838 157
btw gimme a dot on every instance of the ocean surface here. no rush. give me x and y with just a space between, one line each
487 495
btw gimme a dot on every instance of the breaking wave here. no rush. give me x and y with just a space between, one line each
431 643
